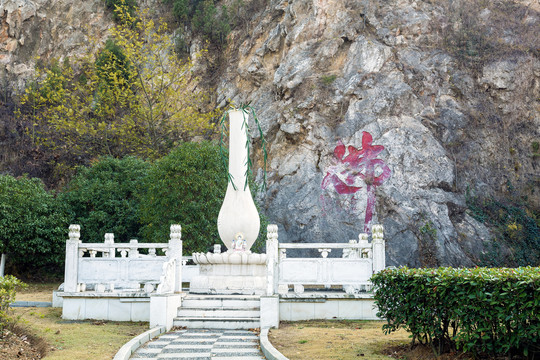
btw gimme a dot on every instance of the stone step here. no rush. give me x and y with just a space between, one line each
219 312
220 301
217 323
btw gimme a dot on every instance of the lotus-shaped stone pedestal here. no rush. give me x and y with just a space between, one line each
231 272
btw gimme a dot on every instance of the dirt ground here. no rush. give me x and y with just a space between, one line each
17 344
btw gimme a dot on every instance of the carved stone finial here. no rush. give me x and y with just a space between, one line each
363 238
176 232
74 232
272 232
377 233
109 238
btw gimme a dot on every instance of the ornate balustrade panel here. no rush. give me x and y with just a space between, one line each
121 265
325 271
122 249
352 271
124 272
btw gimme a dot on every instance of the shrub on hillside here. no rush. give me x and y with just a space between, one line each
482 311
513 222
103 198
204 18
32 226
120 8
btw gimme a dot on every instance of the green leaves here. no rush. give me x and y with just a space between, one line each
103 198
129 197
246 109
32 224
8 289
477 310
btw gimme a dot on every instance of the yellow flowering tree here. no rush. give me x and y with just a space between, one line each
133 97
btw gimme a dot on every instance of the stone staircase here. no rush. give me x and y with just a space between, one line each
219 312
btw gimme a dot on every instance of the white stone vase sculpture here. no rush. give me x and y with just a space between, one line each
238 215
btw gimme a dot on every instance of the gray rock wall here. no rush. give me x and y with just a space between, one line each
34 30
320 72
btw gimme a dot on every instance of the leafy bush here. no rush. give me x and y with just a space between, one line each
103 198
476 310
111 63
204 18
213 24
8 289
121 8
513 222
32 226
186 187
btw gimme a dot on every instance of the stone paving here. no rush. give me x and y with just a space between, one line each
201 344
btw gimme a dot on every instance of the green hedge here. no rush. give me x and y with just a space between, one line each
481 310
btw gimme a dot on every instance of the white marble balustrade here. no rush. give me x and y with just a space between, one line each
109 265
360 260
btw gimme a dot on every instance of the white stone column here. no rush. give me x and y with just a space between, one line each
272 259
134 252
238 214
175 252
71 270
109 239
379 257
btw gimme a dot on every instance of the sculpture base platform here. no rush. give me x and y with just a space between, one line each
230 279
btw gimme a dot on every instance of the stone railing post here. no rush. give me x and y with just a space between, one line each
134 252
71 270
175 252
272 269
363 239
109 240
379 258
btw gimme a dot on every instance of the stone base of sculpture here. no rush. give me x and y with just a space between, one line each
230 273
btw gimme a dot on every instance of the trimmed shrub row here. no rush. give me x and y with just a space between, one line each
481 310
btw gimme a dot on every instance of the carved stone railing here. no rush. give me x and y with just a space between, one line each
111 266
360 260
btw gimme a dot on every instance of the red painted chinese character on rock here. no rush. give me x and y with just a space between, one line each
358 163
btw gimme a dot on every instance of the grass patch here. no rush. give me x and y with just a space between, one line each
335 339
81 340
328 79
37 292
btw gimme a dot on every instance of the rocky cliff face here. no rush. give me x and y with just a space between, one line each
34 30
321 73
